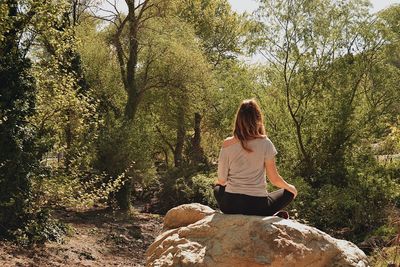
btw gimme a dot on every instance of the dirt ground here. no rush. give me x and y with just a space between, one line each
98 237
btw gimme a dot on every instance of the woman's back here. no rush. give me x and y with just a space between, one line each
243 163
244 171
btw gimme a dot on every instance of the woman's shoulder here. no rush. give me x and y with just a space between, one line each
265 140
229 141
232 140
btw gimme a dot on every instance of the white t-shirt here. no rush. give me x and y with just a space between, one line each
244 171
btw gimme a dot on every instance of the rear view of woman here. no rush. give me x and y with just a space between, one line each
244 161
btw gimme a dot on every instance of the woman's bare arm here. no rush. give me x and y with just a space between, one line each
220 182
276 179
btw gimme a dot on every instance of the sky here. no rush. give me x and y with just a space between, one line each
251 5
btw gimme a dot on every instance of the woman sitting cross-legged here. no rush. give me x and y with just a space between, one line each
244 160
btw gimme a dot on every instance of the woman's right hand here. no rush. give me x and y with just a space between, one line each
292 189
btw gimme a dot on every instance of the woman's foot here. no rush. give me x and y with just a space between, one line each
283 214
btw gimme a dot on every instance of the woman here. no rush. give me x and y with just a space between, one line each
243 161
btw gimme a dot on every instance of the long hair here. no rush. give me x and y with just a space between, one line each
249 123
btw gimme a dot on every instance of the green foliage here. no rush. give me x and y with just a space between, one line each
101 70
220 29
326 101
136 142
66 114
58 189
186 77
125 149
65 118
43 107
354 210
4 20
386 250
388 232
203 185
40 229
18 156
300 209
185 185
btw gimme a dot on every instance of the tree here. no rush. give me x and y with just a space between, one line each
185 74
332 91
222 34
304 44
66 116
125 39
18 158
221 30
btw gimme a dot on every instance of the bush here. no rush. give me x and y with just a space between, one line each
185 185
125 149
203 189
300 209
354 211
74 190
39 229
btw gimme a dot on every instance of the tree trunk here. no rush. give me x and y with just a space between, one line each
138 13
128 72
197 153
180 136
166 159
68 141
124 194
132 105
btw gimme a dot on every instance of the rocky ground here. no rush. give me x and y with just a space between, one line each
98 237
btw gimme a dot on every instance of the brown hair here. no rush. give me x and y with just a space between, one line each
249 123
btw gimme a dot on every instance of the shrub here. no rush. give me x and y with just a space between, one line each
185 185
74 190
39 229
354 211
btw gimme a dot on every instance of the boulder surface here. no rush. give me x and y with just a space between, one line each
196 235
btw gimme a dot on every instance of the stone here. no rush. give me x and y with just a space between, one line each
217 239
186 214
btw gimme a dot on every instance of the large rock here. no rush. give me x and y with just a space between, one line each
237 240
186 214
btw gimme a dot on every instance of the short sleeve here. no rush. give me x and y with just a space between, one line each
223 165
270 150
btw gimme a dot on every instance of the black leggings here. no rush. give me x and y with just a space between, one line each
231 203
